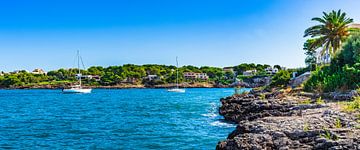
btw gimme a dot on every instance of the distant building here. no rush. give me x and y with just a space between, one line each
275 70
271 70
297 81
152 77
89 77
202 76
249 72
189 75
354 25
294 75
2 73
228 69
38 71
192 75
96 77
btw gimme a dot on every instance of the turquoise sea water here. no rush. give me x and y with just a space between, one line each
112 119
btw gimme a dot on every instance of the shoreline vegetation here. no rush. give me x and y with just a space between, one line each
140 76
321 112
128 86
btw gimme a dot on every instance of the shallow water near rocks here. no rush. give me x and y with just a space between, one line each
112 119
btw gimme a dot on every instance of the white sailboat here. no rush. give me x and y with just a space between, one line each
77 88
177 89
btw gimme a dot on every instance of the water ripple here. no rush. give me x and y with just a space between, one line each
112 119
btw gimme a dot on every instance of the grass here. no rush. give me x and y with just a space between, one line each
262 96
307 101
327 135
306 127
351 106
338 123
320 101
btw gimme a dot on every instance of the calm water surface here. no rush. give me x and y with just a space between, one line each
112 119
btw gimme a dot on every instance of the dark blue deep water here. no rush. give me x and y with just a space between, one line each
112 119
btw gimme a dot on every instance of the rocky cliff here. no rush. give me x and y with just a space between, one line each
275 121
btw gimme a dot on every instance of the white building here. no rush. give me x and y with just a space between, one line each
192 75
202 76
228 69
89 77
152 77
38 71
249 72
271 70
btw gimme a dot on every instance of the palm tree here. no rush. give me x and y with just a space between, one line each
330 33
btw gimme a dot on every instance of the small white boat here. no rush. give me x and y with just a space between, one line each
177 89
77 88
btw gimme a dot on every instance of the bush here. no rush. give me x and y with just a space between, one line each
281 79
305 102
320 101
351 106
343 73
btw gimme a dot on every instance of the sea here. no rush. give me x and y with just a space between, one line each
113 119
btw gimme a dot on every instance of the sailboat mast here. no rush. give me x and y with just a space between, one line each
177 73
78 54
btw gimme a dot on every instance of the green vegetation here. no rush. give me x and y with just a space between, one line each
330 33
310 53
332 37
305 102
126 74
338 123
319 101
351 106
262 96
342 74
327 135
306 127
281 79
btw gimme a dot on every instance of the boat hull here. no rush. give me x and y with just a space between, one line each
76 90
176 90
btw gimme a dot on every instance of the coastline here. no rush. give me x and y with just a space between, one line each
126 86
287 120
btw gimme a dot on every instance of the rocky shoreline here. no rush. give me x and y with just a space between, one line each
281 121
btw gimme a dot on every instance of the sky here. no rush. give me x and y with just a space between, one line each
46 34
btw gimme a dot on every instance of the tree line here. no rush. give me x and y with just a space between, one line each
129 73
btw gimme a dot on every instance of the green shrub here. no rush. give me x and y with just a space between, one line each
281 79
262 96
343 73
305 102
327 135
306 127
338 123
351 106
320 101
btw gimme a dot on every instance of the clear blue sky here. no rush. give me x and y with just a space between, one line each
46 34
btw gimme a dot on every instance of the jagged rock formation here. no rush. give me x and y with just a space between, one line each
275 121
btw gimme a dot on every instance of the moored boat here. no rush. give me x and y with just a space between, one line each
77 88
177 89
